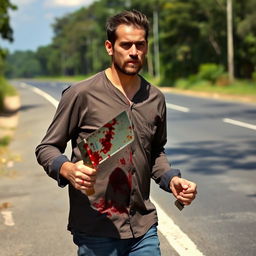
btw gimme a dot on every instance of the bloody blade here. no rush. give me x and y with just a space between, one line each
106 141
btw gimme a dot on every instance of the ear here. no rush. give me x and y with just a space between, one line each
109 48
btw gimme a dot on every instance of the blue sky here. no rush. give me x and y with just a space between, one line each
32 21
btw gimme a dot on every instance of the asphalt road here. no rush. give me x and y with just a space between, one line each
221 158
213 142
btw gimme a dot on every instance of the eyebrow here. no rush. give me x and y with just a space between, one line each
133 42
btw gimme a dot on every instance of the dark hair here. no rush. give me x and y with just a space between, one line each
134 18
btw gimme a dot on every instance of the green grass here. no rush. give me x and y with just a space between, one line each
6 89
245 88
61 78
4 141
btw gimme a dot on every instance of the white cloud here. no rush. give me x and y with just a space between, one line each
66 3
22 15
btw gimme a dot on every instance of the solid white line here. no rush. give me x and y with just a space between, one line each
239 123
8 218
177 107
38 91
182 244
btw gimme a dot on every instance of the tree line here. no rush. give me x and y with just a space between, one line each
190 34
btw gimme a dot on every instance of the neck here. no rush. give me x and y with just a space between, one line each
127 84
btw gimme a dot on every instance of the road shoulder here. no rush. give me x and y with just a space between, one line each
37 208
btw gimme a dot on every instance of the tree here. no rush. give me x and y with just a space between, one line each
245 37
6 31
230 41
24 64
192 34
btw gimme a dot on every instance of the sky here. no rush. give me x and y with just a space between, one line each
31 22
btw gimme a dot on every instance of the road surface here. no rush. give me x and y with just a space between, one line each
213 142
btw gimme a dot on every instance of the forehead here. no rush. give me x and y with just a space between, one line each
130 33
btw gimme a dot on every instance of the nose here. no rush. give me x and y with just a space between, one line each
133 50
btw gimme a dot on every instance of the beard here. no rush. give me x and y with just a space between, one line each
125 70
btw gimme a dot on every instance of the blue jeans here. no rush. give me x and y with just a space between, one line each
147 245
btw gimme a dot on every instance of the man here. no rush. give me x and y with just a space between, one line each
119 218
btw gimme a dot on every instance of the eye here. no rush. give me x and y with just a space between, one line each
140 45
126 45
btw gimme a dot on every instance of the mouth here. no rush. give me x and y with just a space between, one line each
133 62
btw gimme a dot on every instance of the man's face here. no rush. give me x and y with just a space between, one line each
129 50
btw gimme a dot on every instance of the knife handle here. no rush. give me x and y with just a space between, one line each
89 191
179 205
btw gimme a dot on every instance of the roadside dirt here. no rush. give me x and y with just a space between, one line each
9 118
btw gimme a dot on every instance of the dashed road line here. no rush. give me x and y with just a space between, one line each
178 240
177 107
239 123
8 218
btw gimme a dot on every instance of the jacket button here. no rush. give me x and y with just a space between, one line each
132 211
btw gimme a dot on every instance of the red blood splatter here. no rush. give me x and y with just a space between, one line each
122 161
106 142
109 208
94 156
130 179
129 137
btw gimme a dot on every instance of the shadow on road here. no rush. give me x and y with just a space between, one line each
214 157
29 106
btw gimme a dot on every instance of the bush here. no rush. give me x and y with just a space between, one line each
223 80
254 76
210 72
182 83
5 90
191 81
4 141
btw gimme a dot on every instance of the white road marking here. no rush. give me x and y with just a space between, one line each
180 241
239 123
48 97
8 218
173 234
177 107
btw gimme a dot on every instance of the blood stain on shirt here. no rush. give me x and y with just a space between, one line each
117 197
122 161
109 208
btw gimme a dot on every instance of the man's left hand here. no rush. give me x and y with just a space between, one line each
184 190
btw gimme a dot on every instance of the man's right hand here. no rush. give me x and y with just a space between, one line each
80 176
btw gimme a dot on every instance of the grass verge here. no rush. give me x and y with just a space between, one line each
240 88
6 89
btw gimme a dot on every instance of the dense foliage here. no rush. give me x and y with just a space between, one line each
6 31
191 33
